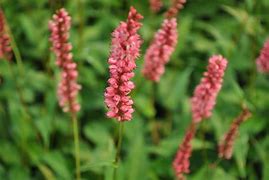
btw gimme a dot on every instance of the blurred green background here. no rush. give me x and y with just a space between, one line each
36 137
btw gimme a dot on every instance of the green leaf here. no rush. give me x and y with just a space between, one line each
57 162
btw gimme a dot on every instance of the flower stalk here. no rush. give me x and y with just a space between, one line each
119 144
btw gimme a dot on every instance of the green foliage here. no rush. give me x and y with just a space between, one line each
36 136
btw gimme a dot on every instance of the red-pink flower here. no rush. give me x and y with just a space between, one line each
125 50
160 50
68 87
5 48
205 94
155 5
226 145
181 162
263 60
175 8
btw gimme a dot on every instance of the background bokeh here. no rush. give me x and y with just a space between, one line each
36 136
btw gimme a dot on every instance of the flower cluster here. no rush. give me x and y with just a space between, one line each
155 5
5 48
160 50
174 9
226 146
181 162
205 94
263 60
125 50
68 87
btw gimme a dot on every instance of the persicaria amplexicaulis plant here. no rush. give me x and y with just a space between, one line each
227 143
263 60
5 47
125 49
160 50
68 87
181 162
205 94
155 5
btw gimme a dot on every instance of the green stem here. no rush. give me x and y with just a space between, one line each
154 128
117 156
76 144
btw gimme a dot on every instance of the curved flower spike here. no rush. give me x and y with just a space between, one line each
226 145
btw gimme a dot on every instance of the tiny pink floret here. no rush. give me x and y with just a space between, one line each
124 51
68 87
160 50
263 60
205 94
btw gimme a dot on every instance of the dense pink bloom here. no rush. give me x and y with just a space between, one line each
181 162
226 145
155 5
175 8
125 50
5 49
205 94
263 60
160 50
68 87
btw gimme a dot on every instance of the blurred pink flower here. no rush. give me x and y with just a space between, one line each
181 162
5 48
174 9
205 94
263 60
160 50
68 87
125 50
226 145
155 5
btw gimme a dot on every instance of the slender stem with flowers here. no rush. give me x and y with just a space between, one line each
125 49
68 87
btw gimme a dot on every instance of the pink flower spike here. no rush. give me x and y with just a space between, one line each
68 87
155 5
226 145
5 47
173 11
181 162
205 94
124 51
160 50
263 60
